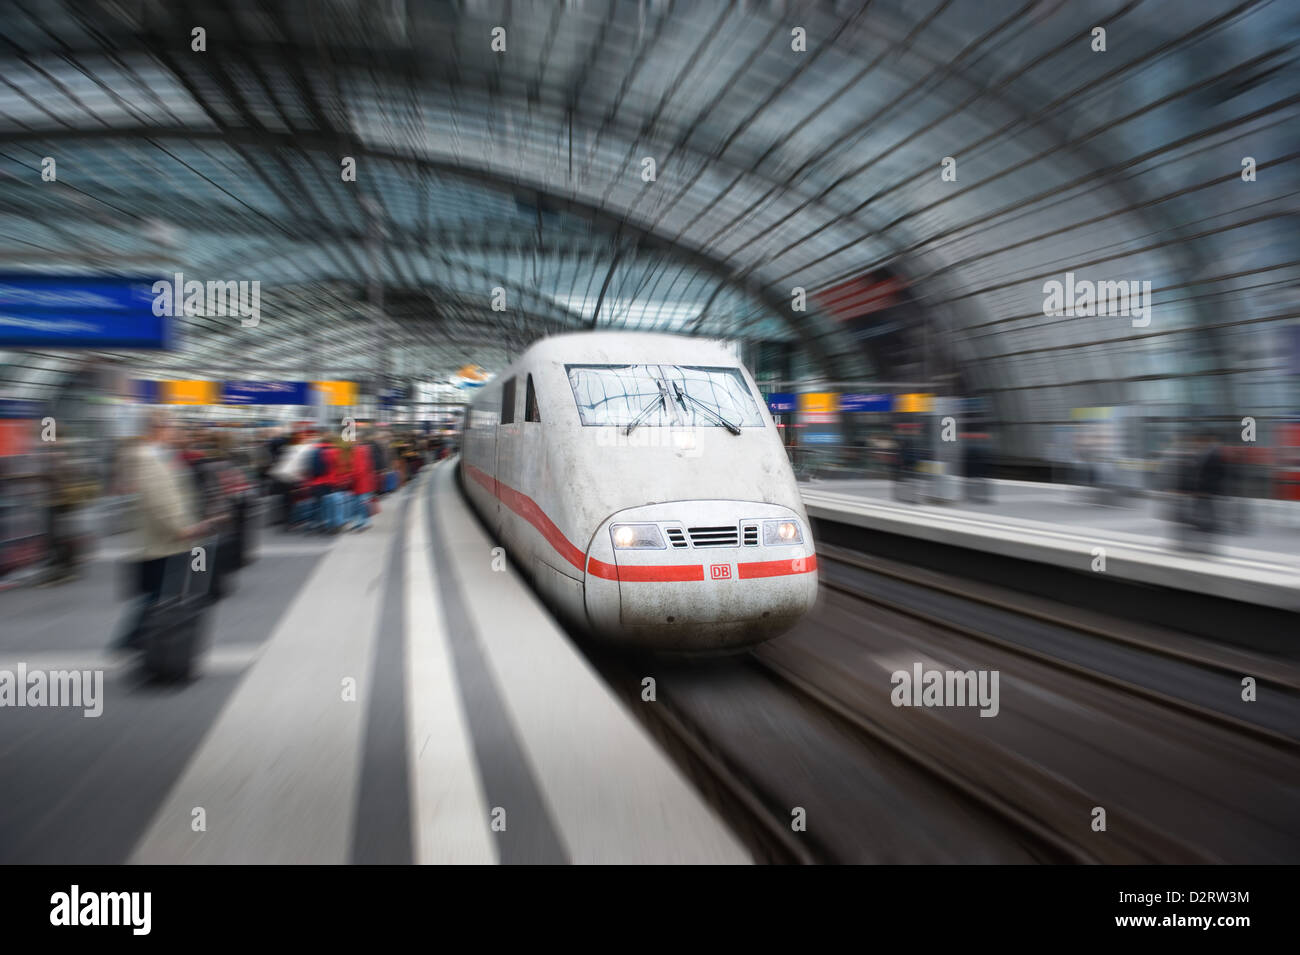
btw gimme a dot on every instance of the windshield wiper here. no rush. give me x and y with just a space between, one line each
661 400
683 395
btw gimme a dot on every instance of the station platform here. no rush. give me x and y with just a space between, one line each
384 696
1063 525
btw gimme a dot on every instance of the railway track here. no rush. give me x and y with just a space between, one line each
731 792
1046 809
806 721
755 782
1049 846
1280 679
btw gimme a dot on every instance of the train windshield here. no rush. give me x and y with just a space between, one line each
619 395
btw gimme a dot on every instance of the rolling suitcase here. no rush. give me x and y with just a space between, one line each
222 568
247 512
172 629
239 532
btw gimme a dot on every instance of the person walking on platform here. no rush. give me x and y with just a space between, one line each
69 490
378 460
323 481
278 489
290 475
344 507
905 461
163 517
1202 482
1209 484
363 484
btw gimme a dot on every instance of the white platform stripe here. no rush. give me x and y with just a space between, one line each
612 792
277 772
450 821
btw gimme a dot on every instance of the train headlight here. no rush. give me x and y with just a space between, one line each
637 537
781 532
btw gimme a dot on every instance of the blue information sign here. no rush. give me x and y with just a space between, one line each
17 408
146 391
46 311
862 402
265 393
780 402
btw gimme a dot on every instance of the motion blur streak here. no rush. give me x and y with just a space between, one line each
983 358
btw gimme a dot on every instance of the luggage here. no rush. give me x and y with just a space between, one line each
304 510
171 630
291 468
225 564
390 482
241 527
171 633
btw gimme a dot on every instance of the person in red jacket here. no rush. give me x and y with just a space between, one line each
362 468
325 481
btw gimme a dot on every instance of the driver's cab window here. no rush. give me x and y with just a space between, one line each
531 411
508 402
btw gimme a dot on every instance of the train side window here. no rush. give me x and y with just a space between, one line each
508 402
531 411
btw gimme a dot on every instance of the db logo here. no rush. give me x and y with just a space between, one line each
720 571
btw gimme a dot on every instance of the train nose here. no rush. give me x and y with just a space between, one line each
712 574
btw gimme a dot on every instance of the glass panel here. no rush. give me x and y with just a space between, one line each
617 394
721 390
508 402
531 411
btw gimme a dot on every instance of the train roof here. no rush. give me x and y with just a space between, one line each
632 348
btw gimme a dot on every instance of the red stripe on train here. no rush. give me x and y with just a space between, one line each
643 573
529 510
777 568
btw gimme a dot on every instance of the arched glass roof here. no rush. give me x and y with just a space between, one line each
775 168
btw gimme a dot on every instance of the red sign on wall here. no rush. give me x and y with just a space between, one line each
861 295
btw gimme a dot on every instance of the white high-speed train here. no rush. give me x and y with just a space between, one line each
639 481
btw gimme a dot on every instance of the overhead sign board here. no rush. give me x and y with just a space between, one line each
781 402
187 392
850 402
337 393
333 393
39 311
265 393
17 408
470 376
817 403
